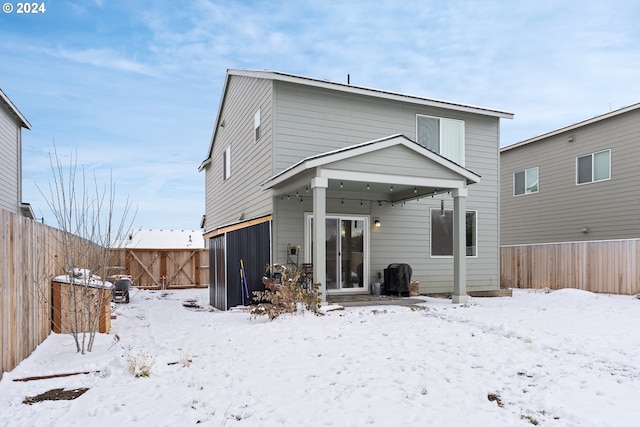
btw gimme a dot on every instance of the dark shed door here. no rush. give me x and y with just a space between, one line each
253 246
217 271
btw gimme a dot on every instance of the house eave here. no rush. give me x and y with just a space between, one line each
23 121
204 164
572 127
361 90
317 161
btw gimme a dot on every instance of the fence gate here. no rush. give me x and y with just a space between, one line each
167 268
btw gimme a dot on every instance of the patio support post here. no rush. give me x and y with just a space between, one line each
319 186
459 247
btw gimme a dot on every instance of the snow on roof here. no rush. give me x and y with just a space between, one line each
84 277
162 239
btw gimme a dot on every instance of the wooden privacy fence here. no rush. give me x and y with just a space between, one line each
30 256
610 266
164 268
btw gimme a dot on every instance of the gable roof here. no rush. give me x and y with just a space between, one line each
574 126
347 88
23 121
352 151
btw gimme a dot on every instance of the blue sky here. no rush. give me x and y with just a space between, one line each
133 87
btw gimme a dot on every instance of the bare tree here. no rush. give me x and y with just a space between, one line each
86 215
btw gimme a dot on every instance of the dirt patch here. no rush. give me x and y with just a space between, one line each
56 394
192 304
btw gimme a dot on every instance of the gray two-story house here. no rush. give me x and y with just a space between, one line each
348 180
576 183
11 124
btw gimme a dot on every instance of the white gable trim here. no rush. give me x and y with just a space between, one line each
315 162
23 121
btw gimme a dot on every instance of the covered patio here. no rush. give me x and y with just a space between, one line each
386 171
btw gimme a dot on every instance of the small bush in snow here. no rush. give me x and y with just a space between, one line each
140 364
289 295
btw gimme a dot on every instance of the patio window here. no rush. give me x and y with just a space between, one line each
593 167
442 233
226 163
444 136
525 182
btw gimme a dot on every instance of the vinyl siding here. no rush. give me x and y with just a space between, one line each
310 121
561 209
394 160
10 173
241 194
403 238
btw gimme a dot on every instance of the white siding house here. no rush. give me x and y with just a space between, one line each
392 178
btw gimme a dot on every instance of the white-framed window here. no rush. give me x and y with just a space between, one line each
256 125
442 233
226 163
593 167
525 182
444 136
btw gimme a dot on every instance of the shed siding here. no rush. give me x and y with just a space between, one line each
10 140
250 160
561 209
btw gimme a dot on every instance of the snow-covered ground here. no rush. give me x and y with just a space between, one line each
565 358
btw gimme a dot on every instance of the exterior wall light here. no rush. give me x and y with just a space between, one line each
377 223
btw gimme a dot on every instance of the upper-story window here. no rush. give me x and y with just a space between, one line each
256 124
593 167
444 136
226 163
525 182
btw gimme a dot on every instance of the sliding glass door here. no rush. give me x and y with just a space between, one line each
347 248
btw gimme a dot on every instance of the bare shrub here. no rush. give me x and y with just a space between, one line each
288 295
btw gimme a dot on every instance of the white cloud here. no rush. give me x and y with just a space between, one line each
101 57
135 86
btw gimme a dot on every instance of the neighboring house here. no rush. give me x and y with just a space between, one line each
162 239
11 124
576 183
391 178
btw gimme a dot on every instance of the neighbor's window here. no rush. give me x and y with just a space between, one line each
444 136
525 182
256 124
593 167
226 163
442 233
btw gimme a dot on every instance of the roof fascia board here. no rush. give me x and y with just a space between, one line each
317 162
206 161
23 121
360 90
572 127
395 140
